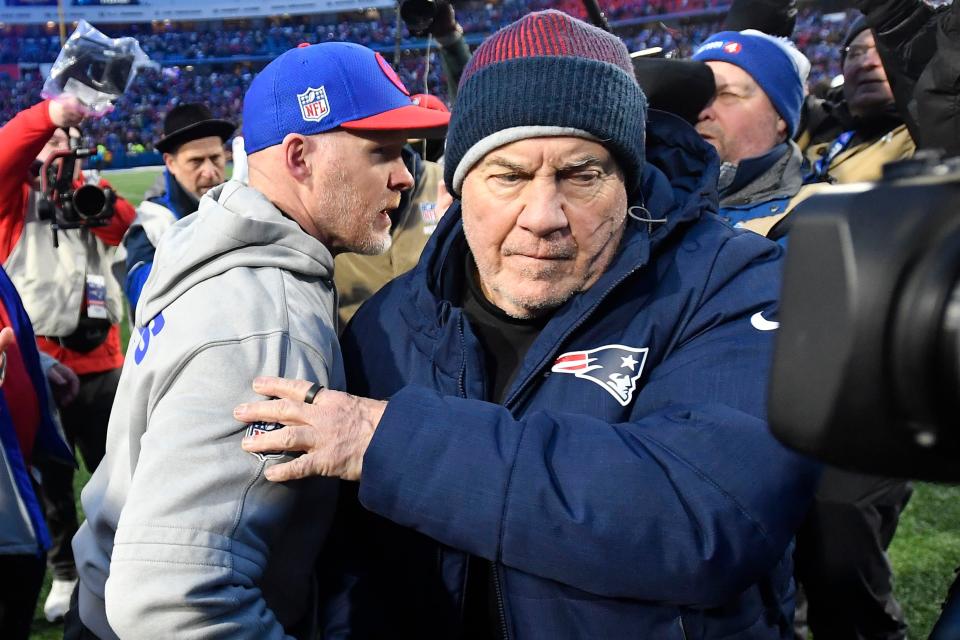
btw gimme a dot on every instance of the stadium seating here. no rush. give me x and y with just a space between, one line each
215 66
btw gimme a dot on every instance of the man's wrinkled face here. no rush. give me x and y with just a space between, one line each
198 165
865 83
358 179
740 122
543 218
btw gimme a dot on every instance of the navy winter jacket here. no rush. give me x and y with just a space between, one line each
628 487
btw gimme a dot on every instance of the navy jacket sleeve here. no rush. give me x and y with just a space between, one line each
689 502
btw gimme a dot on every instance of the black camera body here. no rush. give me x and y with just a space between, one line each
866 373
418 14
65 206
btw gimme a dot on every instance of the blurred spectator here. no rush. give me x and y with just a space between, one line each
751 122
851 138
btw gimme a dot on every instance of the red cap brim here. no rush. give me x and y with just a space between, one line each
425 122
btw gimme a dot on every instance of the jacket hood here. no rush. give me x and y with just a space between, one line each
236 226
679 186
168 192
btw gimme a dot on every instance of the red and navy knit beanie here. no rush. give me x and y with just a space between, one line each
547 74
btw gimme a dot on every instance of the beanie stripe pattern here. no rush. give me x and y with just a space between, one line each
554 75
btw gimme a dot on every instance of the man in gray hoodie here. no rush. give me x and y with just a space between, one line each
184 536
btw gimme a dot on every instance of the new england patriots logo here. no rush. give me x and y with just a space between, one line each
314 105
614 367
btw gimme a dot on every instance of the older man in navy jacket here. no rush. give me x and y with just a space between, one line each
559 426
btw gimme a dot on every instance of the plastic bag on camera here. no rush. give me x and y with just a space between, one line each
95 69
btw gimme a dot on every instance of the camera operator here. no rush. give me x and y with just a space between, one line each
74 302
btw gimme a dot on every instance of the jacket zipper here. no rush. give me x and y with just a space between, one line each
501 611
494 572
461 384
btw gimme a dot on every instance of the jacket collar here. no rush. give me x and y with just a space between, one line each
775 174
176 198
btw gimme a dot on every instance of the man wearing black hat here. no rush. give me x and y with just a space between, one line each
192 147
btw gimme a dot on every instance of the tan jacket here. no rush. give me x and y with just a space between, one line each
358 277
860 163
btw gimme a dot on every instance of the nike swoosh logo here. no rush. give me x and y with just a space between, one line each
762 324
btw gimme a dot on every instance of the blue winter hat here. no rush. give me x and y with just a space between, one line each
316 88
547 74
774 63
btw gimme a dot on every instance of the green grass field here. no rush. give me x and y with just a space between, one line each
924 553
132 183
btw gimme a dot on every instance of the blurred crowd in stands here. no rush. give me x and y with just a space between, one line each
217 64
164 41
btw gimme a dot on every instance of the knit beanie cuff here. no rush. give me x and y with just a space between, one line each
504 137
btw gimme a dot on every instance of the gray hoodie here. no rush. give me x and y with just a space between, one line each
184 537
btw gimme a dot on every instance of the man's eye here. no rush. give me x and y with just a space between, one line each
387 152
583 177
508 178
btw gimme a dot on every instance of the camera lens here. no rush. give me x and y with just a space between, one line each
89 201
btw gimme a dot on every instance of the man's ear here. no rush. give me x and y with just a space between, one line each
782 133
296 150
168 161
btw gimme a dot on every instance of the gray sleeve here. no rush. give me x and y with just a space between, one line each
201 530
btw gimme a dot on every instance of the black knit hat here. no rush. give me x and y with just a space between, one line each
547 74
191 121
859 24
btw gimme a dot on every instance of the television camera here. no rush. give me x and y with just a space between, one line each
866 372
64 202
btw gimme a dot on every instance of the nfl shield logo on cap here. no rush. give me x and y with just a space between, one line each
314 106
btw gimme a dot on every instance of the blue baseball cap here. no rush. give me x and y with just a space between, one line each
316 88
